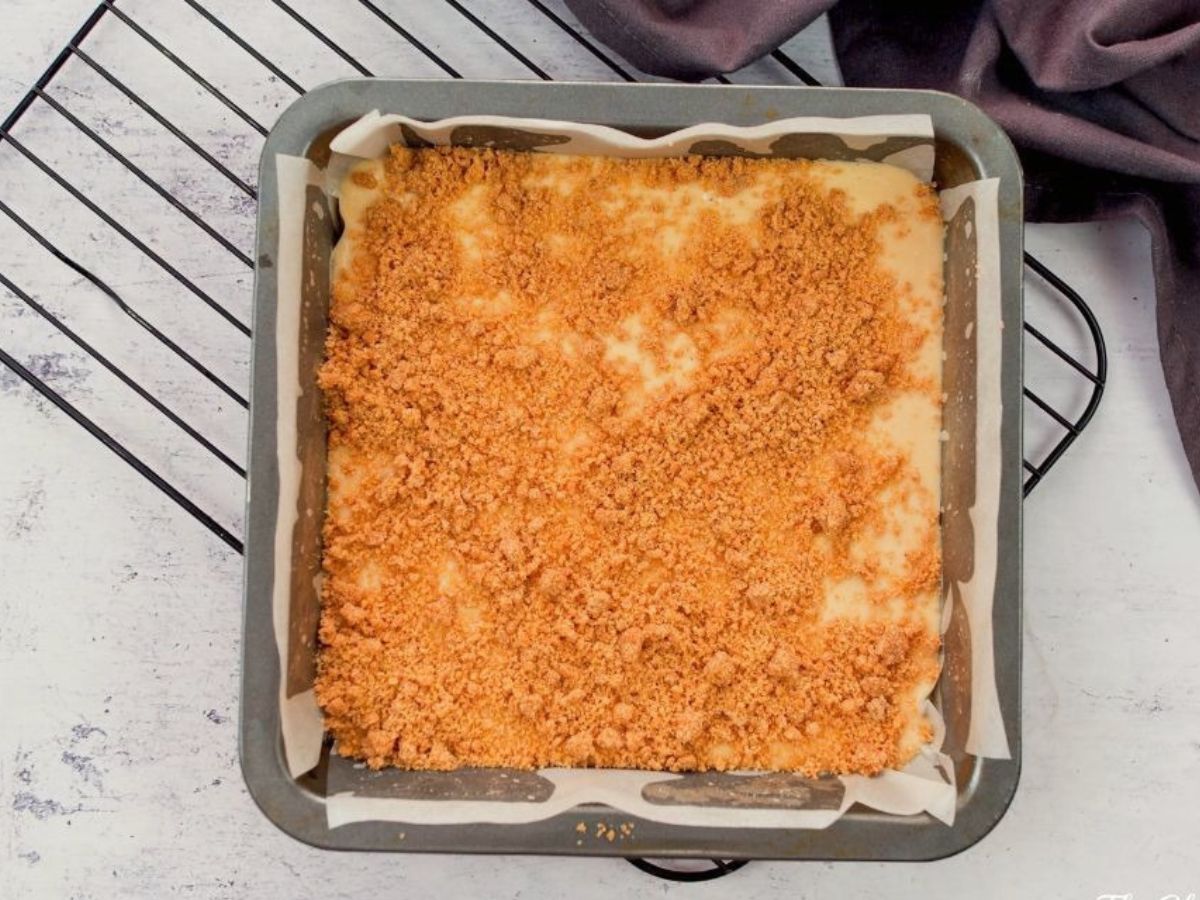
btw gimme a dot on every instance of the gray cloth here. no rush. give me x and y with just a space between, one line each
1101 97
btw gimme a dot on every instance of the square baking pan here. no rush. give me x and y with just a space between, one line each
968 147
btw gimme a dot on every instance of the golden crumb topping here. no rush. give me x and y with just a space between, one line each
604 456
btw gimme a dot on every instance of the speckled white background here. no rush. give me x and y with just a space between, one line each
120 616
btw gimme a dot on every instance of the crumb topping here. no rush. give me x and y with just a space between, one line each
596 450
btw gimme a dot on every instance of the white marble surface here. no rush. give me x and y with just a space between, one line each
120 616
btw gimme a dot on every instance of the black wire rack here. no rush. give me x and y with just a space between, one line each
126 29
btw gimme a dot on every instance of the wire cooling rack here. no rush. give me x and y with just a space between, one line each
135 152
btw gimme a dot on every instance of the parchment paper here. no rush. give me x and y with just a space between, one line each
737 799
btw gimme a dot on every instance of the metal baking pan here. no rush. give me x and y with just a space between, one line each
969 146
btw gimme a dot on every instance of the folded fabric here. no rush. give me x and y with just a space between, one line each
1101 97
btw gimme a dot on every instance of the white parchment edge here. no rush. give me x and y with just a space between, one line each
370 136
299 716
986 734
